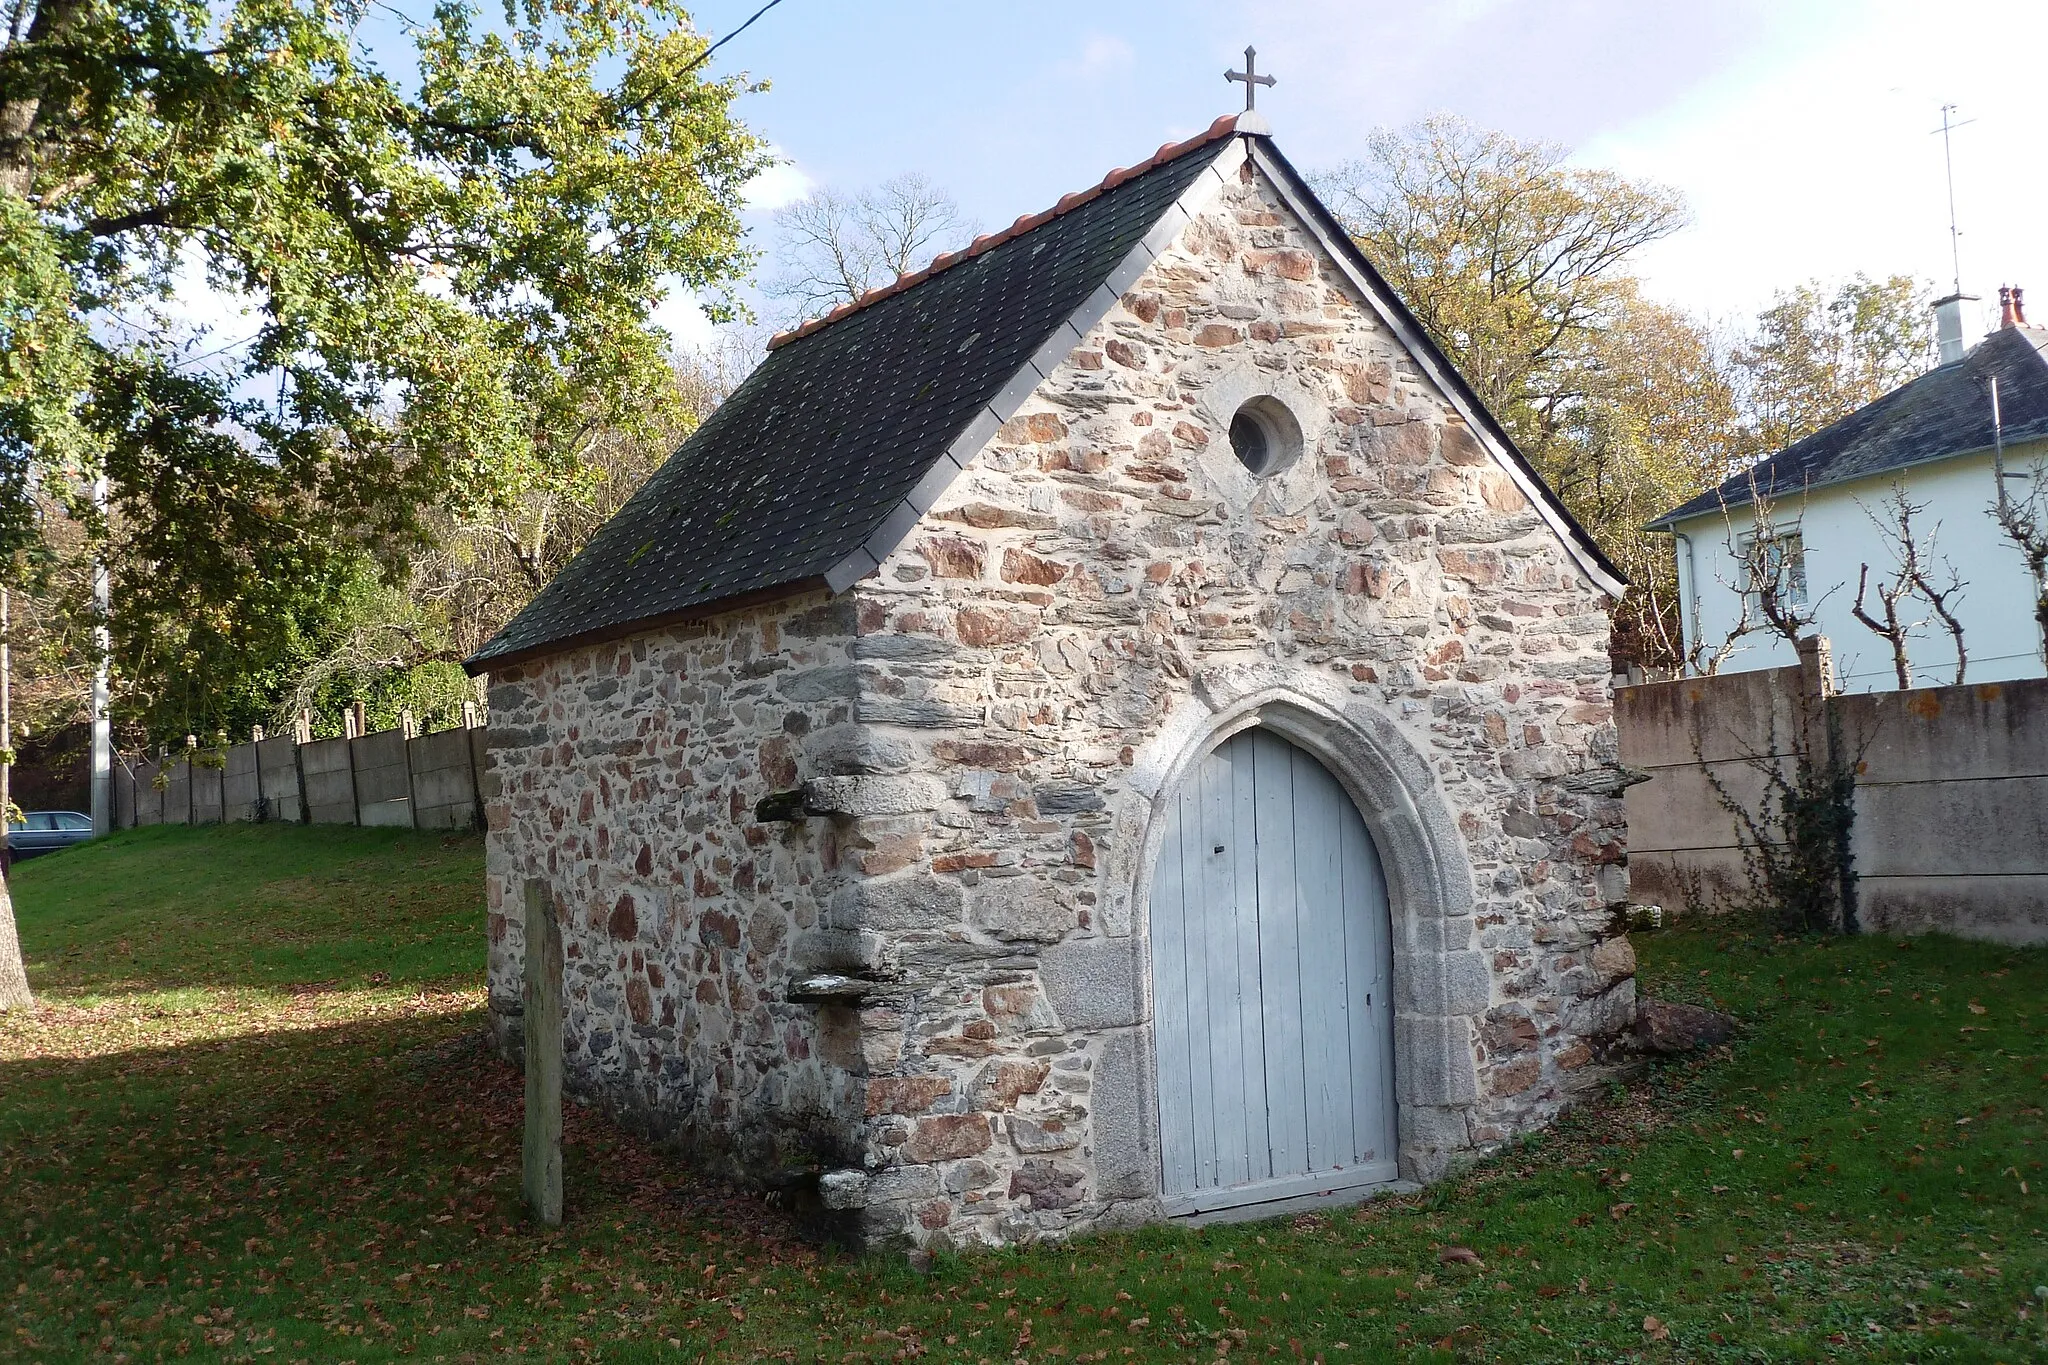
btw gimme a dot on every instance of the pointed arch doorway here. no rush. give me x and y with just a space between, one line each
1272 991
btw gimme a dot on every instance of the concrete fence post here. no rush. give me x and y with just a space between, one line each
1816 685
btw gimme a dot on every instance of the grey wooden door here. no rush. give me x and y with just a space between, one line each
1270 979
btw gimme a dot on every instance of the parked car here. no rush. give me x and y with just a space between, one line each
45 831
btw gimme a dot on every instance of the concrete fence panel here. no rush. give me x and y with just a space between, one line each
277 764
1686 808
149 801
241 785
1950 828
330 789
427 782
1948 734
178 793
208 791
1721 719
443 781
1951 824
1684 849
383 780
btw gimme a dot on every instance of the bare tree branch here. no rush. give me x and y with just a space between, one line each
834 247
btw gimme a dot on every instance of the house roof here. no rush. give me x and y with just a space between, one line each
822 461
1942 414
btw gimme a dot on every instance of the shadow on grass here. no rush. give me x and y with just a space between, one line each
266 906
293 1189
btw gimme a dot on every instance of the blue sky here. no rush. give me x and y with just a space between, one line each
1798 129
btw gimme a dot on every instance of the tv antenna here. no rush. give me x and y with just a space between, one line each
1948 161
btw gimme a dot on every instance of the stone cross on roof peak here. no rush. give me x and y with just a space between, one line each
1251 78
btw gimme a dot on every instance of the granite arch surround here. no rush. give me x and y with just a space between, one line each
1442 982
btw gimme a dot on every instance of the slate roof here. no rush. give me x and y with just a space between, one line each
812 453
1944 413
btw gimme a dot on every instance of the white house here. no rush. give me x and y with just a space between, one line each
1819 504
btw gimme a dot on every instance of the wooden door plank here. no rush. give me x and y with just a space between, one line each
1201 1060
1251 1022
1367 955
1279 955
1170 1011
1319 807
1226 1128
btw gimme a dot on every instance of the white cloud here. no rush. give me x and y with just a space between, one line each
782 183
684 320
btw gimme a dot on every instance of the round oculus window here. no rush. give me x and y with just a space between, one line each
1248 438
1264 436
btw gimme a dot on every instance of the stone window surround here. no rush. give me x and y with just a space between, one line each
1292 484
1442 985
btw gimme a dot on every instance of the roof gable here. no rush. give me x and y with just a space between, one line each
824 459
1938 416
1430 358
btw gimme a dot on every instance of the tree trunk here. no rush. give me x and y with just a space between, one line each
25 109
13 976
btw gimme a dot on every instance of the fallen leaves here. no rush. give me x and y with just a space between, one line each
1654 1329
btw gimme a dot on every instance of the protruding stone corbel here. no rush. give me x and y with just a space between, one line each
781 807
850 796
1610 779
830 989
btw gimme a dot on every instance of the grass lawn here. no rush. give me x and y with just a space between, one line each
250 1120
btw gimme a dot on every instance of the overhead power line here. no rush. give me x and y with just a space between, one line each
705 55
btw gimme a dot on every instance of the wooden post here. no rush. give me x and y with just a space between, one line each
191 781
352 730
543 1023
472 720
408 731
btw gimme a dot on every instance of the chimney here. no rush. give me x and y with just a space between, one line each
2005 316
2019 308
1948 326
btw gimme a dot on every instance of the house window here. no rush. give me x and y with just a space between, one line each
1774 560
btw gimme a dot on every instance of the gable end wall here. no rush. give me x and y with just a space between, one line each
1096 591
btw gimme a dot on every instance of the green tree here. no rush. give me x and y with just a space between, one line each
1657 422
449 276
1515 261
397 644
1817 356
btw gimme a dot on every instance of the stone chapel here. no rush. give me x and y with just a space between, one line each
1104 728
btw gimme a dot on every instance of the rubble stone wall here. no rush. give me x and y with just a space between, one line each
625 775
1105 592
